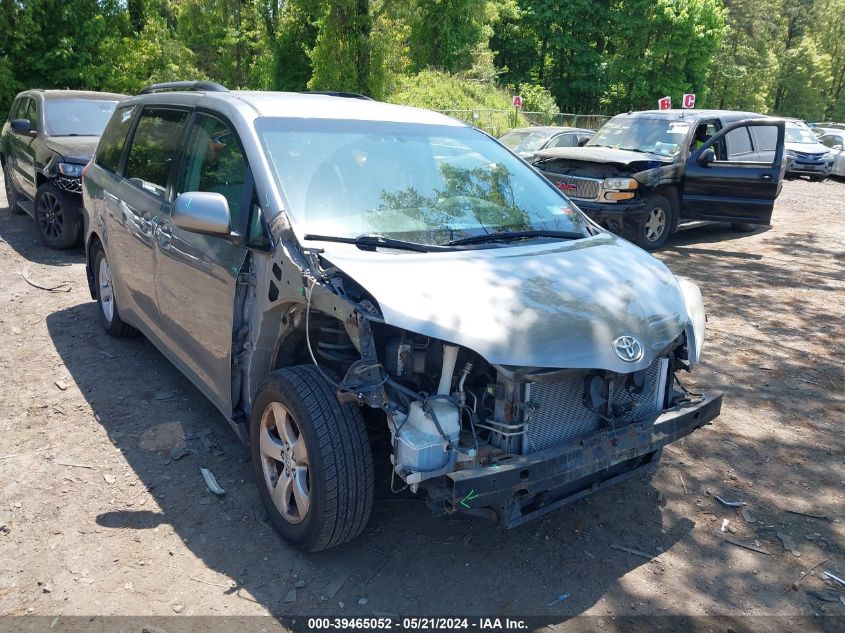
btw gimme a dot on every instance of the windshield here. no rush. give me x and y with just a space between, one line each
429 184
796 133
524 140
77 117
642 134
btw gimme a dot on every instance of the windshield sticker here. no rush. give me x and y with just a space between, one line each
678 127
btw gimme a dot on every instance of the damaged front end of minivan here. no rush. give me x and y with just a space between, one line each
511 381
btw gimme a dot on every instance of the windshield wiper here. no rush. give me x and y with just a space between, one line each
510 236
370 241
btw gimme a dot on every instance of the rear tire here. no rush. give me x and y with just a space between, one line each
312 460
11 192
106 301
57 217
744 227
657 223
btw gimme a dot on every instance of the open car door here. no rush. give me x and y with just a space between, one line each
736 175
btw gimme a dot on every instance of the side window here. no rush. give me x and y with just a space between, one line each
831 140
739 145
564 140
114 138
155 146
26 110
765 142
765 138
214 162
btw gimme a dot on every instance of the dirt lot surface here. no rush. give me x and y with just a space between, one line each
103 510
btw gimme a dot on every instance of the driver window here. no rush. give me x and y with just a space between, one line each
739 146
831 141
215 162
31 114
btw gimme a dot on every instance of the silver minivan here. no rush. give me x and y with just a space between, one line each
345 278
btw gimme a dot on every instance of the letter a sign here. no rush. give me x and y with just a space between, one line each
689 101
665 103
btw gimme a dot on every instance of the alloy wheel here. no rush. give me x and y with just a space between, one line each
51 215
106 292
655 224
285 463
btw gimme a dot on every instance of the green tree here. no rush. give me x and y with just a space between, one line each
448 34
342 56
805 81
153 55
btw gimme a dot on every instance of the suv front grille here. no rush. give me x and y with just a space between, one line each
577 187
559 414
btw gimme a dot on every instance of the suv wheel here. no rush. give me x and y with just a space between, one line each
57 217
106 300
656 224
312 460
11 192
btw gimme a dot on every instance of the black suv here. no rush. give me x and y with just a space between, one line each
47 140
644 173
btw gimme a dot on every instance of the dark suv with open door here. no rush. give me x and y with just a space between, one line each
645 173
48 138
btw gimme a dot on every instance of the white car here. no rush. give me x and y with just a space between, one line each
835 140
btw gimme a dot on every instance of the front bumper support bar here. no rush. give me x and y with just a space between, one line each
522 487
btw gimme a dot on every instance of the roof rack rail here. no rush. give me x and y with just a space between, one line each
192 86
347 95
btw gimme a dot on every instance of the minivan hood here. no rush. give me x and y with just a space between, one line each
77 149
606 155
551 305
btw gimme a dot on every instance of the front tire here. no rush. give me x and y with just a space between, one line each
106 300
312 459
11 192
656 224
57 217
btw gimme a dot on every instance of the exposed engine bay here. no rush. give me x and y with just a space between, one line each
447 409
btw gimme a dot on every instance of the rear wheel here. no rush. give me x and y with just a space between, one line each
57 217
11 192
106 300
312 459
656 224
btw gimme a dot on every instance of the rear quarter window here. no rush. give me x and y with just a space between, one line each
113 139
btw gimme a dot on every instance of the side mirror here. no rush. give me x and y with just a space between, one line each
706 157
202 212
21 126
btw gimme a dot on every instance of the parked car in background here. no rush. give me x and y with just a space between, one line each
805 155
645 173
527 141
48 137
819 129
834 140
341 276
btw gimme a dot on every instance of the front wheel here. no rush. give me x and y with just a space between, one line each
656 223
312 460
744 227
818 178
57 217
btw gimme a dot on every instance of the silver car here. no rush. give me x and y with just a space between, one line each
344 278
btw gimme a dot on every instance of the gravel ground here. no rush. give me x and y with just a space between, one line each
103 510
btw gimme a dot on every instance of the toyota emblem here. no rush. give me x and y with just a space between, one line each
628 348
